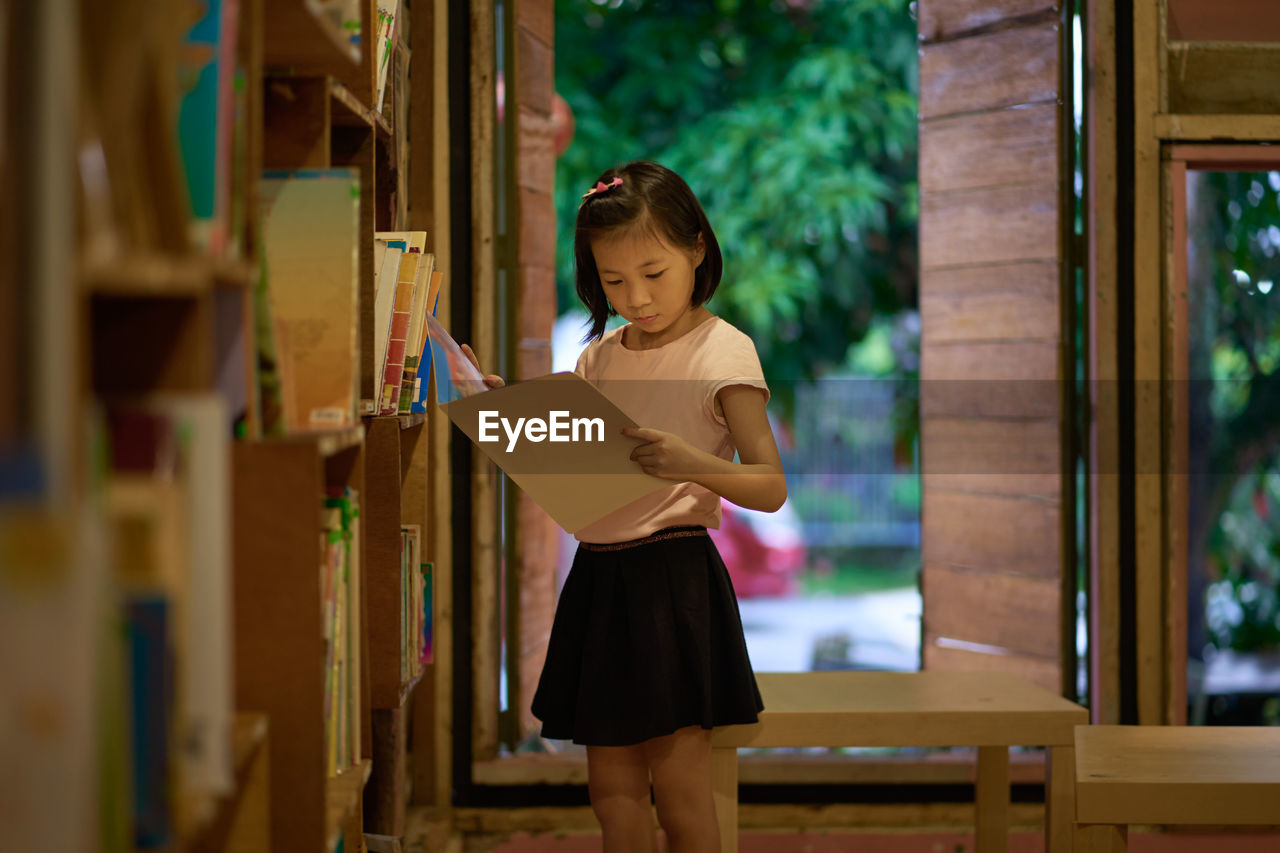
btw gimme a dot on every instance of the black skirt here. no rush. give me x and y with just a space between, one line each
647 639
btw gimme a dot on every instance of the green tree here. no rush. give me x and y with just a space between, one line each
794 122
1234 401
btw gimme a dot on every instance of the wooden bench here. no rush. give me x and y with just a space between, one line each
989 710
1193 775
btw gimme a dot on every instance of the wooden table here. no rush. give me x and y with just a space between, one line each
1210 775
989 710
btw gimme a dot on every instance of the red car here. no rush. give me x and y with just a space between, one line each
764 551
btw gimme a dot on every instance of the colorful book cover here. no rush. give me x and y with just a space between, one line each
206 119
312 230
387 21
348 674
411 591
417 331
397 339
331 578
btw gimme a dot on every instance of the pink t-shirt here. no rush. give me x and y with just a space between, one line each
672 388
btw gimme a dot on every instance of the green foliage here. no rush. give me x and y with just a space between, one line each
1235 335
795 124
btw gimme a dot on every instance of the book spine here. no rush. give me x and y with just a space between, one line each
152 669
397 342
408 384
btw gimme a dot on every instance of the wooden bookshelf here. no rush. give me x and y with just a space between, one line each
279 663
396 473
299 36
160 308
241 821
348 110
344 796
165 275
412 420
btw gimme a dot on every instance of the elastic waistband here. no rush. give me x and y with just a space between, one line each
657 536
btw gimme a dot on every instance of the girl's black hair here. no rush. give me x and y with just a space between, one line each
651 196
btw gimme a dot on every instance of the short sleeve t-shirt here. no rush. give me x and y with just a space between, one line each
672 388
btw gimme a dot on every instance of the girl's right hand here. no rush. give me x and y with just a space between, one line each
493 380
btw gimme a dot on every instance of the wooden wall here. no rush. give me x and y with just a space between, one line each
990 293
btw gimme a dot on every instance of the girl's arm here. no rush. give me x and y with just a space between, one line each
755 482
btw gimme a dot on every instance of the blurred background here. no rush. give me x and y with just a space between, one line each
795 124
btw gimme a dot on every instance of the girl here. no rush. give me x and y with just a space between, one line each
646 652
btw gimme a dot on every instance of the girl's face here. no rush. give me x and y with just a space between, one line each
649 283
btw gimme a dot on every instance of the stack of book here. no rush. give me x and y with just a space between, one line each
406 290
167 497
340 618
415 604
388 12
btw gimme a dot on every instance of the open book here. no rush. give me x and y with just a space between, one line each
557 437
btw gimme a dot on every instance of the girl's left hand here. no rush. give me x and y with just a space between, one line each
663 454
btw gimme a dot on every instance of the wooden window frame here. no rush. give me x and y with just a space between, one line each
1178 160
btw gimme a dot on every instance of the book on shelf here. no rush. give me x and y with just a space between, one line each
208 112
410 601
388 13
422 379
311 241
167 499
149 567
423 297
411 292
388 270
202 445
427 621
388 293
397 336
334 608
342 627
149 628
267 401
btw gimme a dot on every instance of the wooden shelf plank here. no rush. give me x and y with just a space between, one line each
165 275
408 421
352 112
412 420
1199 128
301 38
343 793
330 442
211 833
407 687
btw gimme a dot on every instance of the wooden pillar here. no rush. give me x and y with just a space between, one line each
533 266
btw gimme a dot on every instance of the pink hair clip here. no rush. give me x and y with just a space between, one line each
601 187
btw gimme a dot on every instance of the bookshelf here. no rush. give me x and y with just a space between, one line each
241 820
228 549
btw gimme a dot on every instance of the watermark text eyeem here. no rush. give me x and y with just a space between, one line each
558 426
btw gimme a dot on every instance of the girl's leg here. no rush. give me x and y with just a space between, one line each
681 767
618 782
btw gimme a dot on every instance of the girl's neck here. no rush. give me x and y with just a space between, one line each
635 338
